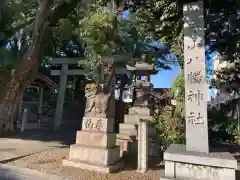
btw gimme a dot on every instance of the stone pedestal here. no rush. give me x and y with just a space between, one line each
95 147
128 131
181 164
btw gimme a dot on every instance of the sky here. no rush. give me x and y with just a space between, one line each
165 79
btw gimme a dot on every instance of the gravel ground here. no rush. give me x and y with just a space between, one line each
51 162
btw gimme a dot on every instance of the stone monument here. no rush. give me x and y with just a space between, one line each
95 147
194 161
128 131
142 146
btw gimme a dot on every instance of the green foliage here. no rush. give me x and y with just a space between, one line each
222 124
97 31
178 88
160 20
141 20
64 29
15 15
223 36
166 135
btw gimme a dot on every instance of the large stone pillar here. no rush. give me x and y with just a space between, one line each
194 161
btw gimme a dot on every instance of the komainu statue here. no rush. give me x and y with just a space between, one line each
100 99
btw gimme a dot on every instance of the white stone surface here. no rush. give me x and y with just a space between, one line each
104 140
169 169
195 79
183 171
128 129
143 146
200 172
94 155
181 164
178 153
134 119
143 111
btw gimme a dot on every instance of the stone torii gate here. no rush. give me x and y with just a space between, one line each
63 73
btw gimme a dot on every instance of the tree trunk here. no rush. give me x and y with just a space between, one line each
25 73
21 78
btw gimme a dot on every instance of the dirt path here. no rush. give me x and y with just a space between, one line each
27 143
51 162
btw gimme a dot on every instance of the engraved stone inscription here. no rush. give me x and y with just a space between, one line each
98 124
195 77
195 96
195 118
89 124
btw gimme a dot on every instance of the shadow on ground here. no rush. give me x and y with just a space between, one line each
8 174
130 163
224 147
237 175
64 137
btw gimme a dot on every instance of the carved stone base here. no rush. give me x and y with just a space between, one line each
95 147
184 165
94 154
93 167
99 139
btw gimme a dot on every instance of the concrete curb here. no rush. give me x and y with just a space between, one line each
8 172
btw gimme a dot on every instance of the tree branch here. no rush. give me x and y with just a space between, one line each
62 11
12 31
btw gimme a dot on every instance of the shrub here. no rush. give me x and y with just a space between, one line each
168 134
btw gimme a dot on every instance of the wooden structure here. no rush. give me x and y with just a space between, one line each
41 82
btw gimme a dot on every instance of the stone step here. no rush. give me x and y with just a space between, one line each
142 111
104 140
128 129
134 119
94 167
131 119
132 129
94 154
